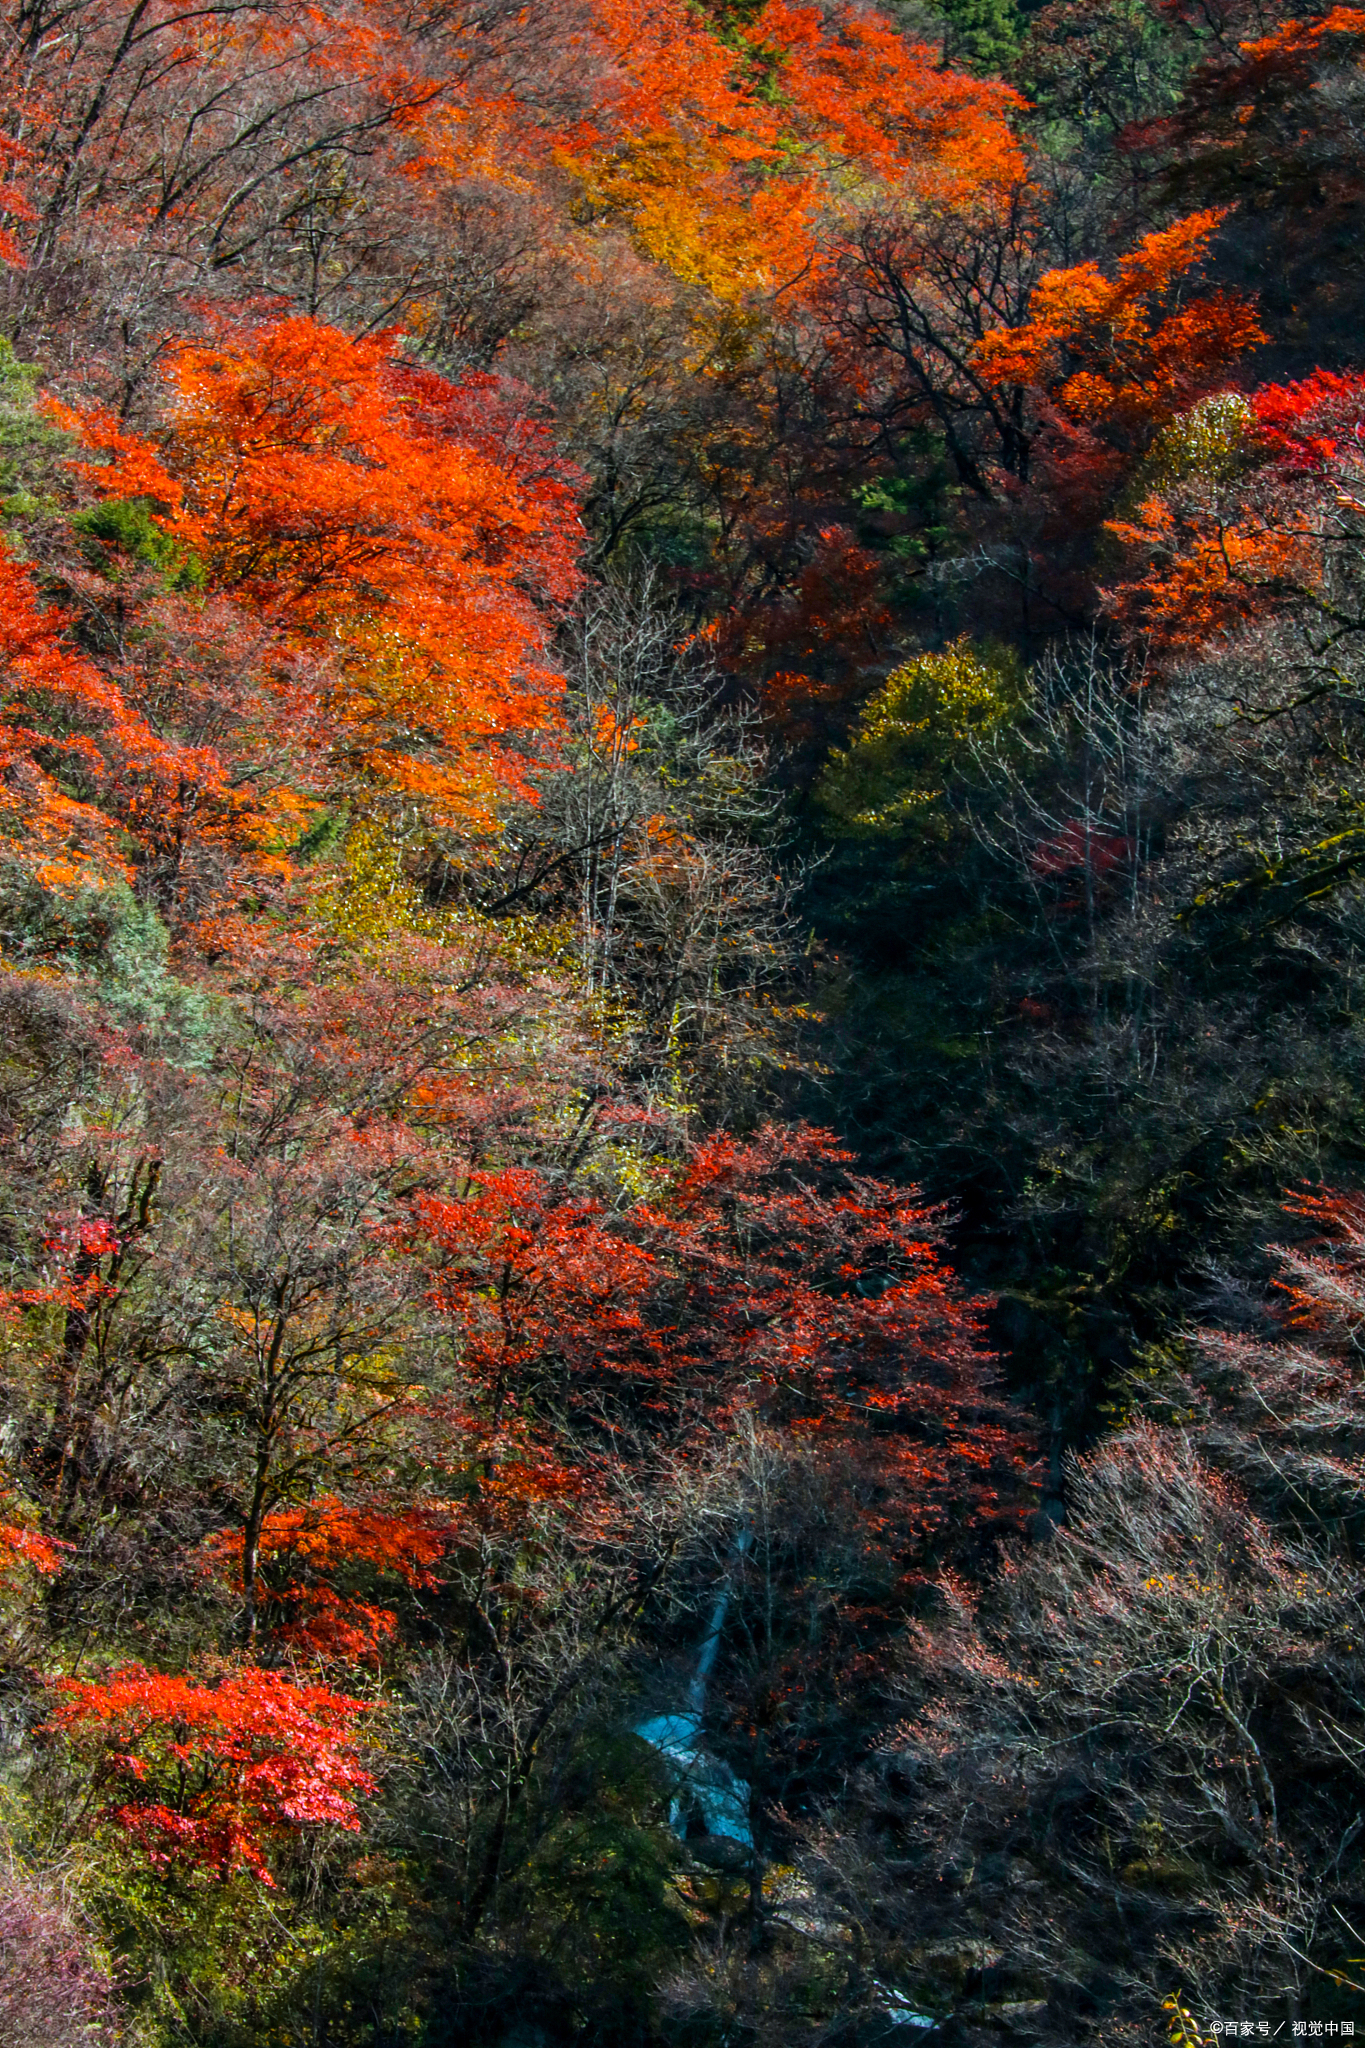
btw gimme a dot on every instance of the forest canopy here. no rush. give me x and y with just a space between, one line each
682 1091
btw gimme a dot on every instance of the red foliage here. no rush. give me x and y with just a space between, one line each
824 643
766 1270
1312 424
211 1775
1267 112
1322 1280
299 1549
15 203
1079 845
20 1546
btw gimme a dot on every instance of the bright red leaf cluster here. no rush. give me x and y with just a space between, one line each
213 1775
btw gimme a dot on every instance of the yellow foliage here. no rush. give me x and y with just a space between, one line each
1207 442
925 715
684 207
370 900
1184 2031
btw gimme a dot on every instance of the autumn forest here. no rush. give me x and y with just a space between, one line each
682 1023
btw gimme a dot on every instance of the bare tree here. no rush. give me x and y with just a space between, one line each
662 844
1135 1765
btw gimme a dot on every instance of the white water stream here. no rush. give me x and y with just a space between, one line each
707 1786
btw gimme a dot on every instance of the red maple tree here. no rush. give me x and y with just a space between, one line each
211 1775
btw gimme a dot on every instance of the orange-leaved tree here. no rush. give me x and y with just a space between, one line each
1269 120
419 532
1114 359
1254 509
89 785
720 153
21 1546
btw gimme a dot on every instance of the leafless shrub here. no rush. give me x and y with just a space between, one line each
53 1993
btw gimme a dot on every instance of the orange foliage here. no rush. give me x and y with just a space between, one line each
15 202
53 698
1197 576
858 90
374 509
88 783
723 183
1250 535
1303 38
666 69
1125 354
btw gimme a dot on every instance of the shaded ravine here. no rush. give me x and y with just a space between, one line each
707 1790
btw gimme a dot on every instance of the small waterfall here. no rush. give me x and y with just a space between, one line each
710 1642
707 1785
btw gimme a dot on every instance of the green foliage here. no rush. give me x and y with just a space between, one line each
233 1966
599 1894
915 735
37 923
1209 443
981 35
122 530
137 983
118 939
1090 67
593 1914
906 517
30 447
322 837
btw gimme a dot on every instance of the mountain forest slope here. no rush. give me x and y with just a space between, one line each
682 1068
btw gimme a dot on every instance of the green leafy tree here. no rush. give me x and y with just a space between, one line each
915 735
